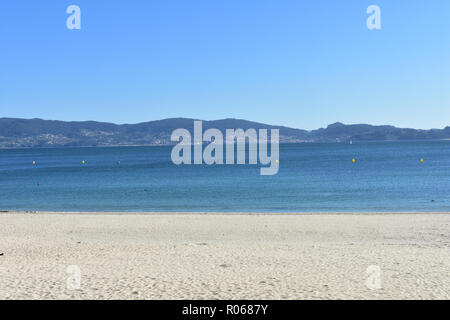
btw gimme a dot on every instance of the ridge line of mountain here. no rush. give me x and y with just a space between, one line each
28 133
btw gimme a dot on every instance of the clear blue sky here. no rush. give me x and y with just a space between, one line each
298 63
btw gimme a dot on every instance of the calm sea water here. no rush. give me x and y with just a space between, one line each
387 176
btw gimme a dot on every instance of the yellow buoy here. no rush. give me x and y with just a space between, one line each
82 162
421 160
34 162
353 160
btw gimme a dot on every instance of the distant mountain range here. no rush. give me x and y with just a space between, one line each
23 133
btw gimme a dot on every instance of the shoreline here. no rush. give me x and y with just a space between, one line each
221 213
172 144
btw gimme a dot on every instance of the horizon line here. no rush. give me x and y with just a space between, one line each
237 119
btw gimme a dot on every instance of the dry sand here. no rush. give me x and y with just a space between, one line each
215 256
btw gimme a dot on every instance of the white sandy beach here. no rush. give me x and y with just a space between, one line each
216 256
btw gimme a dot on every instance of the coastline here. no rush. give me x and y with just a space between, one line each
224 256
220 213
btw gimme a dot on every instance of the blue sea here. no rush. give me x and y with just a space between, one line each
386 176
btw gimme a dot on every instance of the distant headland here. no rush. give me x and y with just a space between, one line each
32 133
